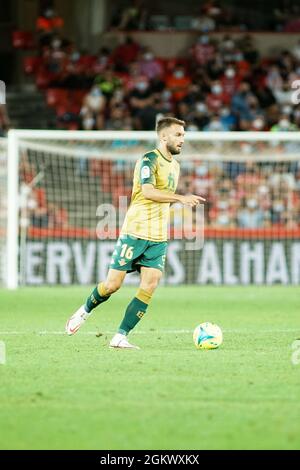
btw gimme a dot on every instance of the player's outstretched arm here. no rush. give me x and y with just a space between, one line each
157 195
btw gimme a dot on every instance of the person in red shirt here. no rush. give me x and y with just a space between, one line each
125 54
49 22
178 83
47 25
230 80
203 51
217 98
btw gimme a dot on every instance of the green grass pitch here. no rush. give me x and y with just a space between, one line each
60 392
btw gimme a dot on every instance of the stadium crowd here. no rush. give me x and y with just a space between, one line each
220 85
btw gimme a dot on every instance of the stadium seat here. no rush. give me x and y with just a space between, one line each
23 40
159 22
31 64
72 126
78 95
183 23
56 96
43 78
61 109
87 60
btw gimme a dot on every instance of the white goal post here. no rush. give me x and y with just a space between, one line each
55 177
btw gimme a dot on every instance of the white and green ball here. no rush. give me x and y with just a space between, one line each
207 336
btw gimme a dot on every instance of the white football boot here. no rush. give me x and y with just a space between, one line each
76 320
120 341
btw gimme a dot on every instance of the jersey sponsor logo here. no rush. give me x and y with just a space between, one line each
171 181
146 159
122 262
145 172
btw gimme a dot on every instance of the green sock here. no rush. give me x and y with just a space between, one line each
97 297
135 311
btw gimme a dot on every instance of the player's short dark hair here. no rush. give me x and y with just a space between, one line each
167 122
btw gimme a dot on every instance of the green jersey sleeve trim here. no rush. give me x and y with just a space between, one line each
148 168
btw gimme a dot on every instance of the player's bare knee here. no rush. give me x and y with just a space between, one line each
112 286
150 284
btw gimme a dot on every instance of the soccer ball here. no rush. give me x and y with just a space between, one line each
207 336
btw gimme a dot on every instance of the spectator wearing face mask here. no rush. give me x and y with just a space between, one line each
117 118
230 80
203 51
200 115
244 103
228 119
227 48
102 60
250 215
222 214
217 98
277 211
178 83
149 66
215 125
141 96
92 111
284 95
203 181
258 124
274 79
130 79
108 83
284 125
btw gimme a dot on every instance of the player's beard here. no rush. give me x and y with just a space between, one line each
173 150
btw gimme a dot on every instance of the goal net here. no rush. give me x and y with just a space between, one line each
69 191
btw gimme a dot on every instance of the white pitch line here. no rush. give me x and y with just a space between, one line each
88 333
44 333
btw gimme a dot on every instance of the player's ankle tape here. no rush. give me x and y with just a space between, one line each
143 296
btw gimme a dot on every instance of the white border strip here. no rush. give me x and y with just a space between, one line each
12 210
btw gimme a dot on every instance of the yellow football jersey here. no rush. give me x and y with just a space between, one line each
148 219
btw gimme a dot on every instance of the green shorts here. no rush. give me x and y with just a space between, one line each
131 253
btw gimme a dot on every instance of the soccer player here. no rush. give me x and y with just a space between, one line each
142 243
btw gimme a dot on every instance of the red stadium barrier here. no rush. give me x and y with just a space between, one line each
210 233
